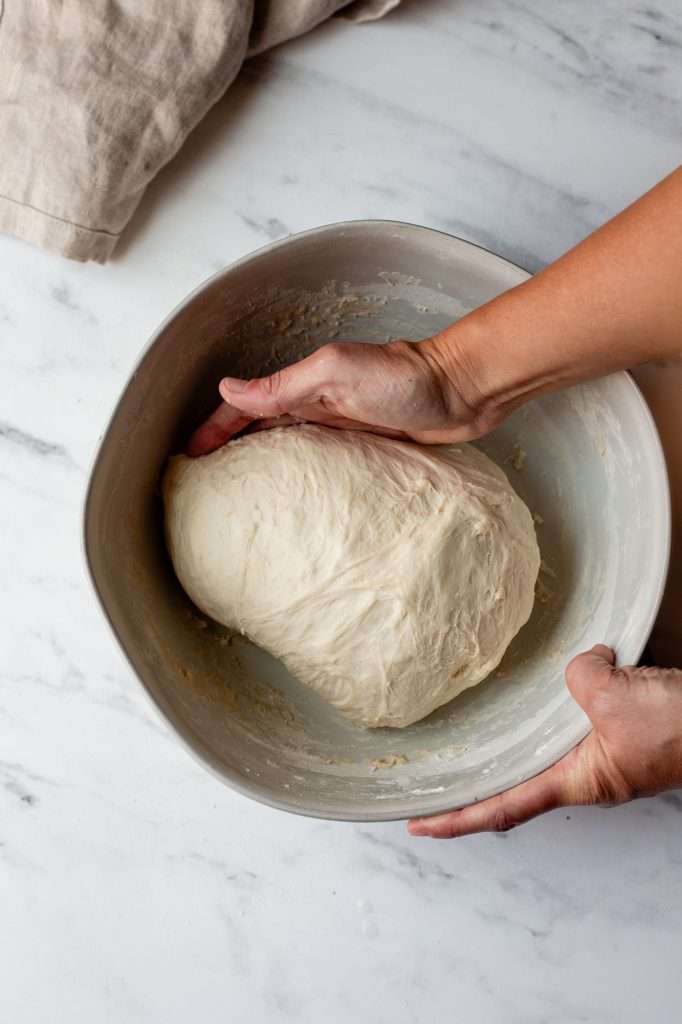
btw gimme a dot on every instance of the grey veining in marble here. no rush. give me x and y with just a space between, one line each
133 887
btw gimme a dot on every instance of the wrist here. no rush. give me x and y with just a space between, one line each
476 359
511 349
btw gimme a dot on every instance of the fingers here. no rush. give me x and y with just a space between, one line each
589 671
500 813
223 424
288 389
303 389
317 414
580 777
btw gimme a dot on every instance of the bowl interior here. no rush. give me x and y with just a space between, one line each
586 461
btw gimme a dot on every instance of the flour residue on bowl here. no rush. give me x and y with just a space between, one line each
272 711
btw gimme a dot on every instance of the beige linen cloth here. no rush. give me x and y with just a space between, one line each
97 95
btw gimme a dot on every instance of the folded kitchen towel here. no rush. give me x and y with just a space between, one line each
97 95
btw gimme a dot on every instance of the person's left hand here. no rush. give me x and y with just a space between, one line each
634 749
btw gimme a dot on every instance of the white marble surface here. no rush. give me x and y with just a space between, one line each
133 886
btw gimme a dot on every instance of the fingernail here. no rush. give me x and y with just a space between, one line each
415 829
234 384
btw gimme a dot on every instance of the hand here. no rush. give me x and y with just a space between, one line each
613 302
402 389
634 749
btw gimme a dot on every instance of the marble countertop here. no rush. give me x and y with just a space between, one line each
133 886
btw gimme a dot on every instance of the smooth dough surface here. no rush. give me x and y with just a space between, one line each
387 576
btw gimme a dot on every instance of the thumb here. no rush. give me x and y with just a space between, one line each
285 390
588 673
558 786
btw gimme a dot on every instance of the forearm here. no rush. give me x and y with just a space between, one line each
612 302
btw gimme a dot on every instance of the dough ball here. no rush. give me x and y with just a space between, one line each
387 576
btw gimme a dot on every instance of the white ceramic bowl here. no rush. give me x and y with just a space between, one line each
594 473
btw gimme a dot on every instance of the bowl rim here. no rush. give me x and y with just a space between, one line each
183 733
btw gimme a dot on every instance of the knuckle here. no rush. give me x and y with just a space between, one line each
621 675
604 694
330 356
502 819
272 385
656 675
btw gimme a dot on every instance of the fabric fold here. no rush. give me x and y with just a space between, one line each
97 96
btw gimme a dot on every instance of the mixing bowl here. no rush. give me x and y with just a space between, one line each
587 461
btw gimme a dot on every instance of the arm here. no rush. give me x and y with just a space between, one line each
612 302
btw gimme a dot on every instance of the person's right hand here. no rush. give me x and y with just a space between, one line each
401 389
633 750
